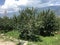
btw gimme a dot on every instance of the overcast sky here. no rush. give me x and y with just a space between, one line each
13 5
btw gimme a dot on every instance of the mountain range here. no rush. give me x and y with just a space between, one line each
56 9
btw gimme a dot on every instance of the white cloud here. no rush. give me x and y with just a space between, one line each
13 5
33 3
49 3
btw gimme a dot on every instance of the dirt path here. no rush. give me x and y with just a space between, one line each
2 42
14 42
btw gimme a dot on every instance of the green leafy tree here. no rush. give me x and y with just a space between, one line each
27 24
49 24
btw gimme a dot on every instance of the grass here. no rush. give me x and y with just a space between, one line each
55 40
52 40
13 34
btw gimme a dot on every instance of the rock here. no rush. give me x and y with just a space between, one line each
22 42
56 32
2 34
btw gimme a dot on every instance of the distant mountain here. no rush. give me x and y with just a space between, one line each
56 9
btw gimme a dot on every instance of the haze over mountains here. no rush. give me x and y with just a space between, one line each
56 9
13 6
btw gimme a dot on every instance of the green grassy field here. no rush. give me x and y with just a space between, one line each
14 34
53 40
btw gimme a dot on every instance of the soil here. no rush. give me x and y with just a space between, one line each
2 42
